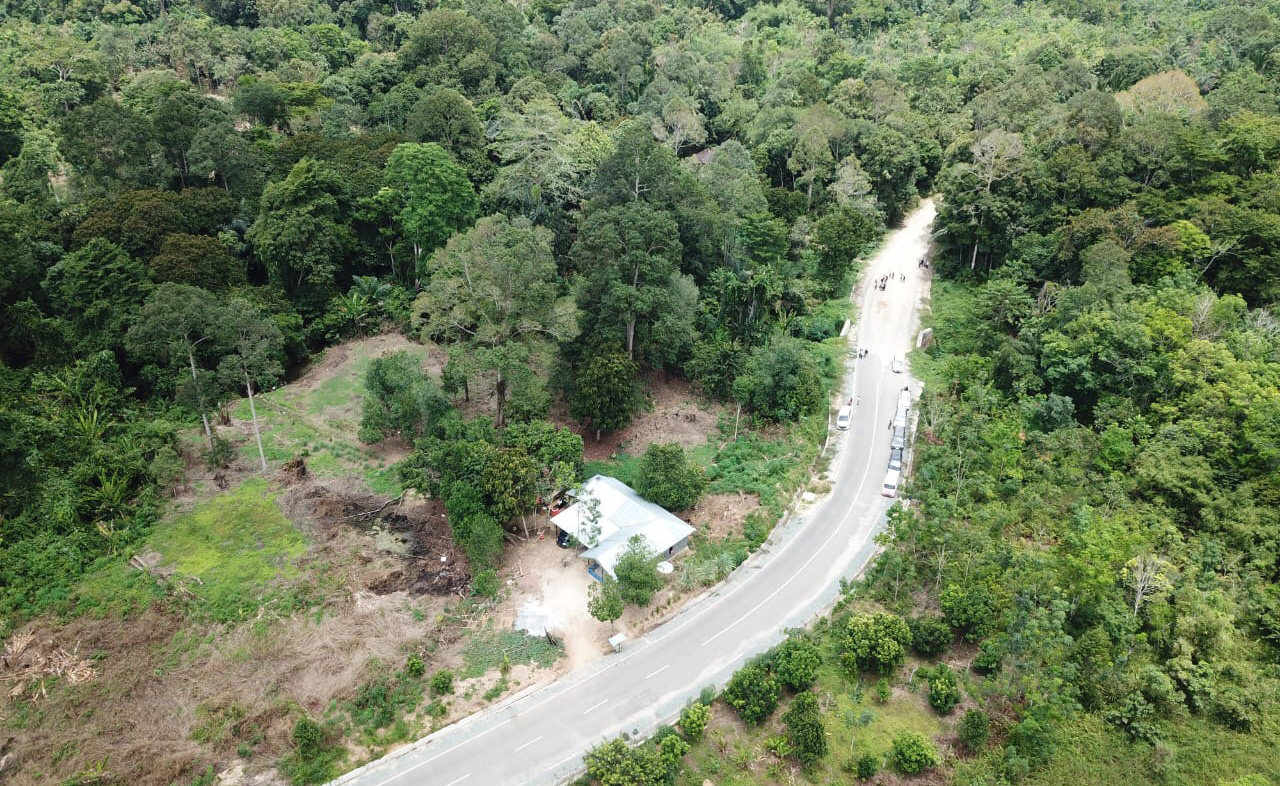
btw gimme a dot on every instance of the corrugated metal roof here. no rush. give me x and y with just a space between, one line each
623 514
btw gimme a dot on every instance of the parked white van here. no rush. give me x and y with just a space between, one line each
891 480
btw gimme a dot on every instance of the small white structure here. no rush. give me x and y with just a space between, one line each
607 513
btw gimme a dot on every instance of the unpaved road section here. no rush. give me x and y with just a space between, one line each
540 737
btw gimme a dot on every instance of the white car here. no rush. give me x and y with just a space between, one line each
891 480
843 417
899 365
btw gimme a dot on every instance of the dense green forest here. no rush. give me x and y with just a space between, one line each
197 195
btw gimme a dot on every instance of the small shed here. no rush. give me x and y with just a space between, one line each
619 515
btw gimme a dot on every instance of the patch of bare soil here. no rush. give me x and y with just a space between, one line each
418 555
336 359
153 699
170 699
553 583
675 414
720 515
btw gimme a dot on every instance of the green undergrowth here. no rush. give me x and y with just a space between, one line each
621 465
490 649
731 754
1190 751
320 425
230 556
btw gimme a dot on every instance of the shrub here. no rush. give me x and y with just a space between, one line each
400 399
778 745
414 666
442 683
671 749
637 575
484 583
874 641
883 691
970 608
913 753
618 764
753 693
313 760
990 655
221 454
973 730
930 636
804 728
796 663
944 689
868 765
666 477
605 600
694 719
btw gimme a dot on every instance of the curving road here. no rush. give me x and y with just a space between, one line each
540 736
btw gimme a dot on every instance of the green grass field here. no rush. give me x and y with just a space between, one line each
233 554
320 424
731 755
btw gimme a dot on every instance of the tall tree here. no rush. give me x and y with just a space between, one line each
628 254
178 323
111 145
605 394
495 289
301 234
255 350
98 288
429 196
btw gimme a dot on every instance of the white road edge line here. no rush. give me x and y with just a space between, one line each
875 416
527 744
594 707
659 671
459 780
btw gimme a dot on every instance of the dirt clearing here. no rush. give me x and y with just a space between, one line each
674 414
154 698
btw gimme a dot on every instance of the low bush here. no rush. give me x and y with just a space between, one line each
753 693
930 636
973 730
694 720
944 689
442 683
913 753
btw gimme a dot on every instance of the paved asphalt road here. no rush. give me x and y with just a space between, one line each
539 737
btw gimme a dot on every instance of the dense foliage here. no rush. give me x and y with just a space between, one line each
804 729
753 693
668 478
504 180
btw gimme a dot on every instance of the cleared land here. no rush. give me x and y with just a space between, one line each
262 599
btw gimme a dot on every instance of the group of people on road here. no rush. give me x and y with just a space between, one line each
924 263
884 280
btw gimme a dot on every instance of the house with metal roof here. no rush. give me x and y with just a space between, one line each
607 514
